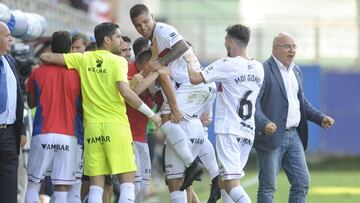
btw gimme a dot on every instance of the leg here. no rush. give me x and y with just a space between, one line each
108 189
207 156
8 165
145 169
233 152
176 196
176 137
127 189
96 188
60 194
296 169
269 166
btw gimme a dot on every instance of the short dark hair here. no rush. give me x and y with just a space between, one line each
140 44
126 39
142 58
102 30
90 46
82 36
240 33
61 42
137 10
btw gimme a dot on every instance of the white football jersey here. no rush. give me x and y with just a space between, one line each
166 36
240 81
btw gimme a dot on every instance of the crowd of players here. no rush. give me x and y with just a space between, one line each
94 103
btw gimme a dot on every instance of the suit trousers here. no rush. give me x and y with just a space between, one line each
8 165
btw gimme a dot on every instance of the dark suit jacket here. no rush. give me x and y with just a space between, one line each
19 125
272 105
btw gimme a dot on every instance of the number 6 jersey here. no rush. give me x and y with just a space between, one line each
240 81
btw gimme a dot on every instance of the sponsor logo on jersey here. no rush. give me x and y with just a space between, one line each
243 141
55 147
98 68
197 140
100 139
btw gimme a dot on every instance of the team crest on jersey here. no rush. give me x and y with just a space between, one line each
98 68
99 62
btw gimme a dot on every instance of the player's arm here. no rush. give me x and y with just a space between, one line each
53 58
194 76
177 50
134 101
31 100
167 87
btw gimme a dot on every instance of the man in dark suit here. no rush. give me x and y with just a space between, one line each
11 120
282 112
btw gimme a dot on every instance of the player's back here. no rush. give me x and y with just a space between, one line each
240 81
99 70
58 91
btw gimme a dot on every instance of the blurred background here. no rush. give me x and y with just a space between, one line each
327 34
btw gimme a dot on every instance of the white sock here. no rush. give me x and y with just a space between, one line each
74 193
207 157
144 188
127 193
178 197
95 194
137 185
32 192
59 197
225 197
238 195
176 136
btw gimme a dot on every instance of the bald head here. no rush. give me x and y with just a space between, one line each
5 38
282 37
284 48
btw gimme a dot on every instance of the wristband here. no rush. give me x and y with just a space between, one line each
143 108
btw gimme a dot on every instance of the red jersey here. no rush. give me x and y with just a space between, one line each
138 121
58 93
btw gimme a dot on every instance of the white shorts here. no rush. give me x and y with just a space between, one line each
191 98
79 170
55 153
174 165
143 162
232 154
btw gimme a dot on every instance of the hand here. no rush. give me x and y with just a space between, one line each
327 122
156 120
176 116
270 128
164 71
22 141
189 56
205 119
154 64
154 49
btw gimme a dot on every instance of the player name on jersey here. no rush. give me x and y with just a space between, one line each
249 78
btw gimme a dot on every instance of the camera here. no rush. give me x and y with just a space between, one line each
24 57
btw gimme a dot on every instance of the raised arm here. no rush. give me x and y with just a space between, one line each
194 76
53 58
177 50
